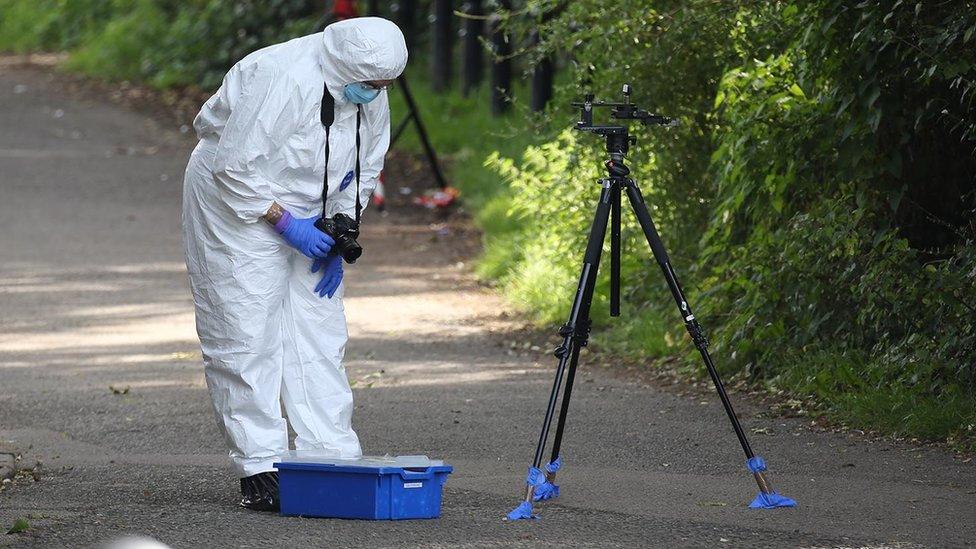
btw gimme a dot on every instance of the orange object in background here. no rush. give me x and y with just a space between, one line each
437 198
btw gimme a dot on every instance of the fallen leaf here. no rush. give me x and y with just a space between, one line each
20 525
713 504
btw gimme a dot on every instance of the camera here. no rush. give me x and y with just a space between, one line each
344 230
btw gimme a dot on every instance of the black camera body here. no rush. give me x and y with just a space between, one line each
344 230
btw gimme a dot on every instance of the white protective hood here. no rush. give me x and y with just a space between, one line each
361 49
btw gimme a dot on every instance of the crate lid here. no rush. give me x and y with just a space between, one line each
324 460
324 457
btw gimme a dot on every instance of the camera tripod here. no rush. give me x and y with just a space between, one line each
575 333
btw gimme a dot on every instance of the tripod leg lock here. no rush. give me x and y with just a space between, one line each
562 350
582 332
580 335
696 331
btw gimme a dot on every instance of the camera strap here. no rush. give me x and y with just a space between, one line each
327 116
359 115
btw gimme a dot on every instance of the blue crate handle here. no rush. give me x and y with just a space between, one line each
417 475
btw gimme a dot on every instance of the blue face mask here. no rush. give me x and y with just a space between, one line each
357 92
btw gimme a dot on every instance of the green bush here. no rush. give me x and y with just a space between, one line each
831 227
819 200
123 49
162 42
30 25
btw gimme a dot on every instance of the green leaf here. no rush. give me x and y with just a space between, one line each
874 119
894 164
719 99
844 104
873 96
20 525
848 128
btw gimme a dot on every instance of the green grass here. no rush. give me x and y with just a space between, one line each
49 25
121 50
857 390
22 25
641 334
464 133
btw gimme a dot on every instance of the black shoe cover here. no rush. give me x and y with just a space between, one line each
260 492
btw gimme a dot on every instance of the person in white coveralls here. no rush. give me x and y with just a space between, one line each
266 282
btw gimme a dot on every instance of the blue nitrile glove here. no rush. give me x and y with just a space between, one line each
331 274
303 236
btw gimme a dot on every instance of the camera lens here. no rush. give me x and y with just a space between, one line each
350 250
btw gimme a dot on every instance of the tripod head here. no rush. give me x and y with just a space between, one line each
618 137
619 141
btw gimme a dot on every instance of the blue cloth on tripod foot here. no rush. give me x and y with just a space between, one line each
554 466
535 477
771 500
523 511
546 490
756 464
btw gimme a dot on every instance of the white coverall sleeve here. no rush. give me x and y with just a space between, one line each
375 143
261 119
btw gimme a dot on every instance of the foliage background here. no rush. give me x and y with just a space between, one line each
162 42
819 199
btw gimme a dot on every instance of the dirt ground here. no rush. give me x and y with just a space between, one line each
103 402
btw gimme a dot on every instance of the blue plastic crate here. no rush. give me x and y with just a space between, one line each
362 489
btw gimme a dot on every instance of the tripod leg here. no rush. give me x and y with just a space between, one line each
575 333
400 127
435 166
538 485
615 252
767 497
549 489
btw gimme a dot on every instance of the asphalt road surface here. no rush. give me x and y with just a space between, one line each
101 381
